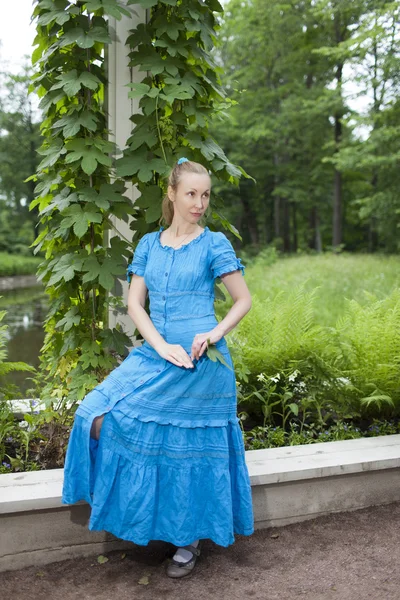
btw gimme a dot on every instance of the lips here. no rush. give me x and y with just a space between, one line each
196 214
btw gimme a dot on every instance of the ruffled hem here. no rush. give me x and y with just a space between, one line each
166 537
196 240
229 267
149 482
166 419
134 270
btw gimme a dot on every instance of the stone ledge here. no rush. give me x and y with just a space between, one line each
289 484
325 459
37 490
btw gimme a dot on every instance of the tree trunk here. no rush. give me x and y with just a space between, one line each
315 241
249 217
294 227
286 226
337 209
337 190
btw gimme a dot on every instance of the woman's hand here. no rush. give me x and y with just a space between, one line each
200 343
175 354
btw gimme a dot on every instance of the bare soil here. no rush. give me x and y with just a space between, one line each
346 556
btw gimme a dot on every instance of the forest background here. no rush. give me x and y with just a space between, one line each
315 121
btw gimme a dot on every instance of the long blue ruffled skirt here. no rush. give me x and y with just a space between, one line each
150 478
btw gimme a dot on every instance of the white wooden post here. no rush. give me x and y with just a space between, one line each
120 108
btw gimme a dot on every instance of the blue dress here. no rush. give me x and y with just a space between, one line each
170 461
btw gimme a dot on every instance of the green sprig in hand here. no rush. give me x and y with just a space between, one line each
214 354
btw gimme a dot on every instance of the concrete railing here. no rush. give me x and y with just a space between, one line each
289 484
18 281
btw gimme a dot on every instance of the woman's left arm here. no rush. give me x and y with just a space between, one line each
239 292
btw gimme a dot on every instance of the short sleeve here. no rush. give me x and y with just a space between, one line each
138 264
223 256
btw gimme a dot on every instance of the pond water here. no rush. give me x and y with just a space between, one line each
26 310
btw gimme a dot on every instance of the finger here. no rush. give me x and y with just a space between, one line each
188 362
184 360
197 347
203 348
174 361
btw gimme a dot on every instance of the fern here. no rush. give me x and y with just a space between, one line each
368 351
278 330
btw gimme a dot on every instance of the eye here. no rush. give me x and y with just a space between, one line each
190 193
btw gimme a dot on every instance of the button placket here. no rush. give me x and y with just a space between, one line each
167 272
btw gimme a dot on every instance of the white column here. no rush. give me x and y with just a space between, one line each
120 108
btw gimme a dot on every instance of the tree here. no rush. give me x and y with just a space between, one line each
19 141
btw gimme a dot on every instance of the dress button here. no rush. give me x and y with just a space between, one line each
166 274
163 297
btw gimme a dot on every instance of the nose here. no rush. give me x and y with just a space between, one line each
199 203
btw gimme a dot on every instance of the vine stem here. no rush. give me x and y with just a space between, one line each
159 132
117 231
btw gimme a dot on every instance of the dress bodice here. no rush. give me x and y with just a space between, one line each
181 282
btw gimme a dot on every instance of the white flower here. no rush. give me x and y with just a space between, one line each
343 380
261 377
23 424
276 378
293 375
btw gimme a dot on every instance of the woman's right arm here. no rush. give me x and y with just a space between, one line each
136 303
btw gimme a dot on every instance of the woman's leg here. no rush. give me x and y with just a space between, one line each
96 427
183 555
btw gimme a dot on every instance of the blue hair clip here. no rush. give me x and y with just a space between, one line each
182 160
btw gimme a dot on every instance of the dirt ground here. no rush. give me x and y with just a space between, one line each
346 556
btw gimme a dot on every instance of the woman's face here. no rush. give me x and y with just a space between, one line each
192 196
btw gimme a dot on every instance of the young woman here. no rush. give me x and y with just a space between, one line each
156 449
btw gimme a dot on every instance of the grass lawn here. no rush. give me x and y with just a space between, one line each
13 264
338 277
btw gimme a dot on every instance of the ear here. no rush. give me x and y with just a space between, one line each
171 193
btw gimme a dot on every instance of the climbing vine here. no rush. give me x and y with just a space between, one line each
76 196
179 95
79 186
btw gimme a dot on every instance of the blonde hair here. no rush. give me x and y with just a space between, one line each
189 166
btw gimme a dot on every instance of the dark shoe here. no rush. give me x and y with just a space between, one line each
180 569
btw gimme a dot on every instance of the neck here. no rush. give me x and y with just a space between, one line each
178 230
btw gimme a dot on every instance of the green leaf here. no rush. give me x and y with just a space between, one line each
89 156
215 355
139 89
72 317
103 272
102 559
153 213
115 340
85 39
150 196
80 219
71 82
215 5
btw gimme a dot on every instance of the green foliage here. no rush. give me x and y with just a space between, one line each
293 368
11 265
368 352
78 192
77 196
179 95
336 278
296 72
19 141
275 437
277 330
7 421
